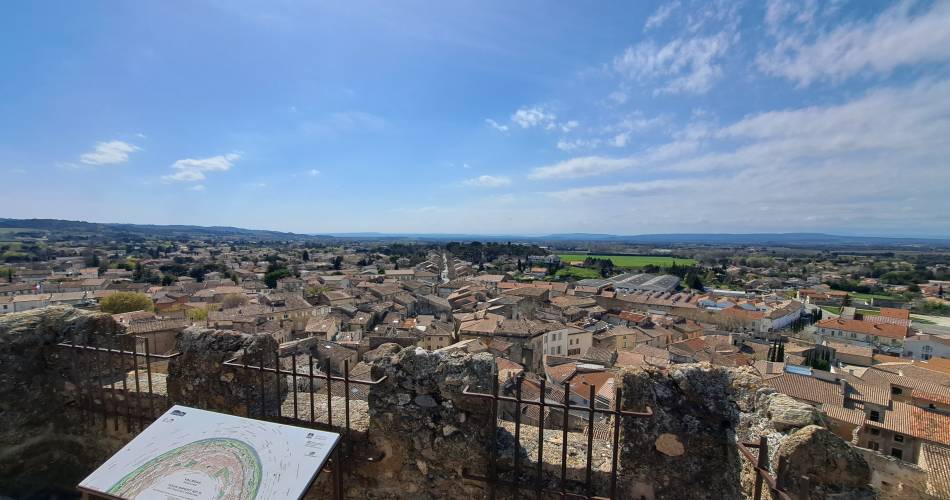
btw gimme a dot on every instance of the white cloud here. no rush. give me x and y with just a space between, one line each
854 165
569 125
109 153
313 172
487 181
893 39
571 145
197 187
587 166
495 125
661 15
684 65
624 188
534 117
193 170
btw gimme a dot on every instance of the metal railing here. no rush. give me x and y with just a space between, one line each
272 407
102 387
760 463
566 408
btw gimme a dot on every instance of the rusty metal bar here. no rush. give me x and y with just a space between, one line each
761 463
590 442
138 388
648 412
761 468
233 362
540 479
101 391
492 466
263 408
564 424
326 371
104 349
517 457
125 388
280 401
310 367
148 380
110 365
615 450
293 366
346 390
80 381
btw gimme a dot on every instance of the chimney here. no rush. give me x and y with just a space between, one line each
844 388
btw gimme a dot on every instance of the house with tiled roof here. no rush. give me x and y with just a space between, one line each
888 337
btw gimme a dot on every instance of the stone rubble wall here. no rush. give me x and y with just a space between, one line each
423 433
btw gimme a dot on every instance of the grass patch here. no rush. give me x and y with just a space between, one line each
630 260
579 273
831 309
869 296
918 319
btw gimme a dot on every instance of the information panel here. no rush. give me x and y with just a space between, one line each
191 454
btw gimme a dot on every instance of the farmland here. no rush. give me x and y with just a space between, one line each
631 261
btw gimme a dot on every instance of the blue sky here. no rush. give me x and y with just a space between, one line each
480 117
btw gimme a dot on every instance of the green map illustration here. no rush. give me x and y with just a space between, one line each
231 463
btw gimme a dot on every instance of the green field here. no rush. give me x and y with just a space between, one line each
579 273
629 260
869 296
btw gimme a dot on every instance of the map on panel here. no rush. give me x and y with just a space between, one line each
191 454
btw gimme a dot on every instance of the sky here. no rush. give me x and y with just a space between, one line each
482 117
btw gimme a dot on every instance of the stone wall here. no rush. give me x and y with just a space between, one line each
199 378
690 440
895 479
423 434
44 451
426 432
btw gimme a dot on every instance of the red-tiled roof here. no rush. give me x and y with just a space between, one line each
865 327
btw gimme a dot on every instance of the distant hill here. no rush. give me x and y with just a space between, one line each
125 231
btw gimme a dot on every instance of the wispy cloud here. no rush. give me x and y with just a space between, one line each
196 169
534 117
625 188
109 153
661 15
896 37
495 125
197 187
586 166
487 181
684 65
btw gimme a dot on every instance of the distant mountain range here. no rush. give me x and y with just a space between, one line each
111 230
764 239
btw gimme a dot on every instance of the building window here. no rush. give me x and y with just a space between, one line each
897 453
899 438
875 432
873 445
896 391
875 416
